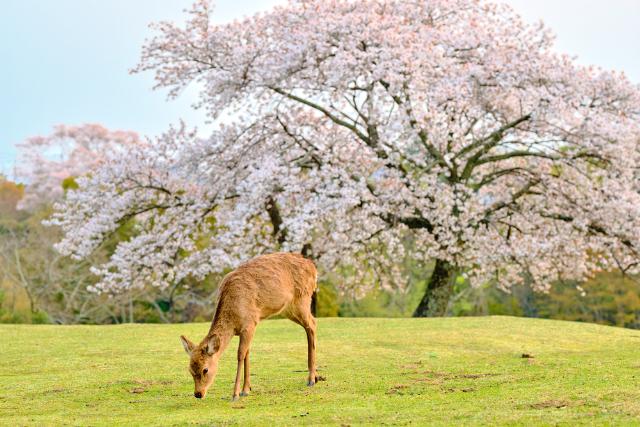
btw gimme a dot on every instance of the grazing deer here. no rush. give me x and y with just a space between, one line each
280 283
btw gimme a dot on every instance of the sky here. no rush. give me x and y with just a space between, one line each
67 61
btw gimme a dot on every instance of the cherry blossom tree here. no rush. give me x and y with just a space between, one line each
346 127
44 162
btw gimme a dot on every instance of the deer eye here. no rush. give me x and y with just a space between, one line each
205 371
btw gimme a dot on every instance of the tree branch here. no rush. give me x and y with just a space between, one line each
326 112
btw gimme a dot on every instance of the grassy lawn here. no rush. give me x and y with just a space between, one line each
452 371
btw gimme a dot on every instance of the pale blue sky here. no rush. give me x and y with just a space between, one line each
67 61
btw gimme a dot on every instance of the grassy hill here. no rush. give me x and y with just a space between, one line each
467 371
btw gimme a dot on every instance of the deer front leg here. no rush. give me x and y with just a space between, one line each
236 387
243 350
246 386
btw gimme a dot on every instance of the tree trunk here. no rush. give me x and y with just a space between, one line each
436 298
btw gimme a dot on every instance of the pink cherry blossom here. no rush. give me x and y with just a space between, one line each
44 162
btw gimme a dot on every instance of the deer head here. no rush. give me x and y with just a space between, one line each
203 363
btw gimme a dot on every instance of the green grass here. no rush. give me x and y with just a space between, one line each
449 371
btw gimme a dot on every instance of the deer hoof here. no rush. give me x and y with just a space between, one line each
310 384
244 393
235 398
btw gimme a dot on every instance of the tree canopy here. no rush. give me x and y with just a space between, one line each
346 127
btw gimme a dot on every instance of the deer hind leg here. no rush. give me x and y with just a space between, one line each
302 316
243 351
310 329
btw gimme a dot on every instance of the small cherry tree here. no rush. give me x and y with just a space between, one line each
44 162
346 126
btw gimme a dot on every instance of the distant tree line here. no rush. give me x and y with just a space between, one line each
38 285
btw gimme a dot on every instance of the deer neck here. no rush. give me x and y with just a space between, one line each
222 329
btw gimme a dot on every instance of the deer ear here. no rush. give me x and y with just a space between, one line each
188 345
213 345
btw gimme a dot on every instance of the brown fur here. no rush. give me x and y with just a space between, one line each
279 283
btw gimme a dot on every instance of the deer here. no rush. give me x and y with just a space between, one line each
265 286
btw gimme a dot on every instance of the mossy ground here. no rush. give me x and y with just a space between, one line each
452 371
